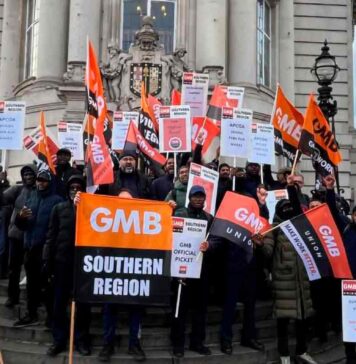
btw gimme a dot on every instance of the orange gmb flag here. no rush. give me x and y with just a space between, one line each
318 141
153 108
113 222
44 154
176 97
148 124
99 163
288 123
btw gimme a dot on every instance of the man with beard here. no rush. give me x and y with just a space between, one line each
224 184
253 178
176 197
161 186
129 177
16 197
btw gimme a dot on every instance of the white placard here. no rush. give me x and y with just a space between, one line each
12 123
195 92
235 132
70 136
174 129
187 236
207 178
261 149
237 94
120 127
349 310
272 199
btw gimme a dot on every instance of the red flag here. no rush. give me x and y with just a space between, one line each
43 150
206 129
100 169
153 109
148 123
176 97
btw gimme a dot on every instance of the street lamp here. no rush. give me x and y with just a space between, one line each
325 71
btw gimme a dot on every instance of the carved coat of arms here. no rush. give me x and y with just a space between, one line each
150 73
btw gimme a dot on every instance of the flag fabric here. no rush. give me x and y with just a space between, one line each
153 109
288 123
44 154
176 97
237 219
99 163
136 141
318 243
217 101
207 129
147 122
318 141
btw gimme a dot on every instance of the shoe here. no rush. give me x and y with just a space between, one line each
55 349
105 353
83 349
137 352
285 359
305 359
178 352
226 347
26 321
10 303
200 349
253 344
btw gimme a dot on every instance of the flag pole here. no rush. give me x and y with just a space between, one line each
295 162
178 298
175 165
234 176
262 176
71 337
1 358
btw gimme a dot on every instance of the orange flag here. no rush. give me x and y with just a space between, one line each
288 123
43 150
318 141
176 97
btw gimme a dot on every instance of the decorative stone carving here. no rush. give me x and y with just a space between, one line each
216 75
75 72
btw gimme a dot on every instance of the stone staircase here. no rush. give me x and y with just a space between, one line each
29 344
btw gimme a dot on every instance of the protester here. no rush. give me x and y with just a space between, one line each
63 171
253 178
194 292
291 286
129 177
224 184
281 182
16 196
33 219
163 185
177 195
5 214
58 257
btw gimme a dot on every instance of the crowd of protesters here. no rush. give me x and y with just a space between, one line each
38 232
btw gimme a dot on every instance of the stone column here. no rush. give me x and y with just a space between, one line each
191 33
211 34
242 42
84 21
10 48
52 39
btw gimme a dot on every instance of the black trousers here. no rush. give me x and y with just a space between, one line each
241 286
194 296
350 351
15 263
282 336
33 268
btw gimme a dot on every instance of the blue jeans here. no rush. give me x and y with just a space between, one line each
110 320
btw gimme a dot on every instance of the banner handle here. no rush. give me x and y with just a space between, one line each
200 253
295 162
175 165
71 335
234 176
1 358
178 299
262 176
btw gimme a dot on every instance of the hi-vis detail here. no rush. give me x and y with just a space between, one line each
123 249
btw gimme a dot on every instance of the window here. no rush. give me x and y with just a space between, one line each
263 43
31 38
164 14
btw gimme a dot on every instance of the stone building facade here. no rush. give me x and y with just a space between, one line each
258 42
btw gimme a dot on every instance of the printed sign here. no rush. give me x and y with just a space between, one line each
236 94
262 144
207 178
349 310
272 199
12 123
120 127
174 129
195 92
70 136
235 132
187 236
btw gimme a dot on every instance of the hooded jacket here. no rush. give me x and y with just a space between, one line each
178 194
60 239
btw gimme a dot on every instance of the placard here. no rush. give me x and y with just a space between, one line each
70 136
207 178
120 127
195 92
235 132
236 94
272 199
12 123
174 129
262 144
349 310
187 236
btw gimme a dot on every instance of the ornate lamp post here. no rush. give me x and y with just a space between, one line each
325 71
